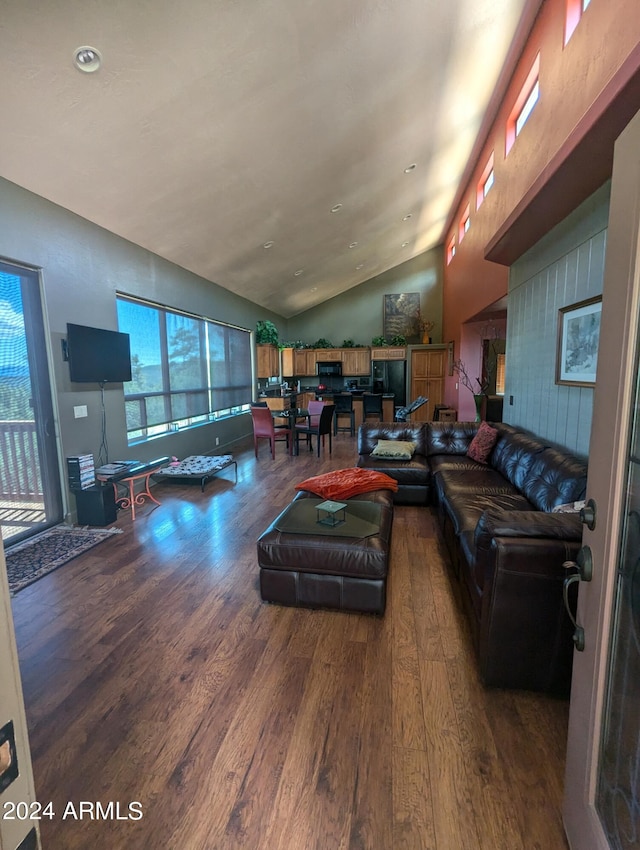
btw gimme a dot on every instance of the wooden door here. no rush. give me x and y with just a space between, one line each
602 780
427 373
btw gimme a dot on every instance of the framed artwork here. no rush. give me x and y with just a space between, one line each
578 341
401 316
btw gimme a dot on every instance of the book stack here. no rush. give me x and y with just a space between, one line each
81 472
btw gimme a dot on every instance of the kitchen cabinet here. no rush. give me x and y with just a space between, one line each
329 355
287 363
388 353
304 361
426 378
305 398
388 409
301 362
356 361
268 361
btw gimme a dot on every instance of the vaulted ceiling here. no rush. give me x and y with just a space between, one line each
286 150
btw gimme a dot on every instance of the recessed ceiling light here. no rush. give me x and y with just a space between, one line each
404 244
407 217
353 244
409 168
361 266
269 244
87 59
336 208
298 272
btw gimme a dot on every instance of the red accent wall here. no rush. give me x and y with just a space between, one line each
589 90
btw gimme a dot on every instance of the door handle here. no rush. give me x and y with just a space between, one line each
583 565
588 515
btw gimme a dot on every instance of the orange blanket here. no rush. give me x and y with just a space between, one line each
345 483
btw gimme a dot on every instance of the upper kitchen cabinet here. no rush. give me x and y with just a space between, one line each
387 353
356 361
268 361
329 355
304 361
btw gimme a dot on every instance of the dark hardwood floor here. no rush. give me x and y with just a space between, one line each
153 673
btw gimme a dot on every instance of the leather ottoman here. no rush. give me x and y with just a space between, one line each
325 571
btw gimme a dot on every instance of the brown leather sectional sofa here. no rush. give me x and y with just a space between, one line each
413 476
505 545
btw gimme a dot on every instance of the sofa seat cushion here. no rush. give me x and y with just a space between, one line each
483 480
465 508
414 471
445 462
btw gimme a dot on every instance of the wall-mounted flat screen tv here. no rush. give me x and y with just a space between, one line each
98 356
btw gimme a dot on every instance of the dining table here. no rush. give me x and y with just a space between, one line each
292 414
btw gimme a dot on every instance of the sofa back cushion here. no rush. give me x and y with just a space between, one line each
450 438
371 432
513 455
555 478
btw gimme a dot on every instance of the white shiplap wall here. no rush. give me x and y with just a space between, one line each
565 267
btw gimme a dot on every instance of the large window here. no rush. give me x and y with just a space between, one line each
485 183
523 107
185 370
575 8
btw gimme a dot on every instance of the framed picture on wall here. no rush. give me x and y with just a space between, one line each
401 316
578 341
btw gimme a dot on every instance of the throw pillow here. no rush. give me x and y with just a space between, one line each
482 444
345 483
394 449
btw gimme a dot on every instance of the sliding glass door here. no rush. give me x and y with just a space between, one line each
30 492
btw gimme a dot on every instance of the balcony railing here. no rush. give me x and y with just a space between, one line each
19 465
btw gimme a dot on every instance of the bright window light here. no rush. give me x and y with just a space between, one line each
485 182
185 370
465 223
451 249
500 374
575 8
524 103
521 120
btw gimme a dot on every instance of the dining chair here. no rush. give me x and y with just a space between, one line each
323 427
344 408
314 408
264 428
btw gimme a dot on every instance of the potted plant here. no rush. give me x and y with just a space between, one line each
477 386
266 333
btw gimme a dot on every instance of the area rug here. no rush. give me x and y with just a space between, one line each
34 558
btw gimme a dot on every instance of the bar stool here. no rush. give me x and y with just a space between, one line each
344 407
372 405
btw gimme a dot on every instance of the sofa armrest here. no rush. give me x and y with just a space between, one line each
526 524
525 632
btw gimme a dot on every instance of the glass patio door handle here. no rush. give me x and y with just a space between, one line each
583 565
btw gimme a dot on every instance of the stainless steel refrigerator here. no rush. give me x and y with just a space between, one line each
390 376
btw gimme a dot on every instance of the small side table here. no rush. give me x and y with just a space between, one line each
140 472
